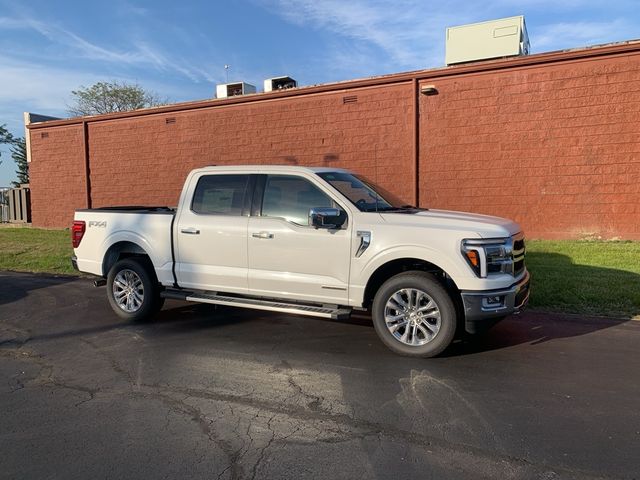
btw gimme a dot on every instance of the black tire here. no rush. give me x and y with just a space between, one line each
144 295
433 331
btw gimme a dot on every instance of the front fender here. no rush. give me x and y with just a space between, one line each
364 269
419 252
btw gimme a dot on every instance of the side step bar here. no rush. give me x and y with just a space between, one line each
258 304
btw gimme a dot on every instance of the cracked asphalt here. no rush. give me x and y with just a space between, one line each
221 393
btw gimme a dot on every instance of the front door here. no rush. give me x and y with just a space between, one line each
287 257
211 235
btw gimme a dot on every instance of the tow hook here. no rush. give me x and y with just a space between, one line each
99 283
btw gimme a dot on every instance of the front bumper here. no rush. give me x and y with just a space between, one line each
482 307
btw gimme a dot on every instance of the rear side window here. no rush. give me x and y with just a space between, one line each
220 194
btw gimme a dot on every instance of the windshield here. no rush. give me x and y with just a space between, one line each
364 195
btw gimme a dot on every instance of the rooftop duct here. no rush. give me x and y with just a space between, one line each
225 90
506 37
279 83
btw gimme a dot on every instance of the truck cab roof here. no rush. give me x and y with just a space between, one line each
266 169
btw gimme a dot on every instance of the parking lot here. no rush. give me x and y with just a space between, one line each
208 392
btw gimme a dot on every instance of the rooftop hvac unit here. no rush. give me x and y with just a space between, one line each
233 89
279 83
506 37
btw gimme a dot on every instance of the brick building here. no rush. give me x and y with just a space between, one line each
550 140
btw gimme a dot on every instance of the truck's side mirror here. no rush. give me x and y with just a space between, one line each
324 217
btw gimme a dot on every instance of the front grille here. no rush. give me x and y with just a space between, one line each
518 267
519 250
518 243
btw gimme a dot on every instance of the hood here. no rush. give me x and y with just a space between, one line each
485 226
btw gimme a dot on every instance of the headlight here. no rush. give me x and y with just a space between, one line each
489 256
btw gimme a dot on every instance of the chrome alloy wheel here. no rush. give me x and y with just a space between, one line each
412 317
128 291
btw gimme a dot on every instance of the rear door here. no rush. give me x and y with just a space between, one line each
288 258
211 234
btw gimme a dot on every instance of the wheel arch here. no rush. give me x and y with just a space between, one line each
406 264
120 250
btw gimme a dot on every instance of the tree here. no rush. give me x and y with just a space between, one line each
107 97
5 137
19 155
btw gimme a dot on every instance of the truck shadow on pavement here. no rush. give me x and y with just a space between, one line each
531 327
190 317
16 286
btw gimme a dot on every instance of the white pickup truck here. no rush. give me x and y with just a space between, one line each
309 241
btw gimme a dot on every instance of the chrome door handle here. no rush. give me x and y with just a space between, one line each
191 231
262 235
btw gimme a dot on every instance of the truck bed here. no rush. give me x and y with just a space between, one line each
132 209
149 228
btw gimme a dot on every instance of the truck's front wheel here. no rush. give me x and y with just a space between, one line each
133 290
414 315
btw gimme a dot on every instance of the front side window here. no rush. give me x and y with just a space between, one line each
291 198
220 194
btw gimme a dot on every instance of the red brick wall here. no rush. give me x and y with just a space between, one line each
555 147
57 175
144 160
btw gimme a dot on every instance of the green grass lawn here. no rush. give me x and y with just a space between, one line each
587 277
592 277
36 250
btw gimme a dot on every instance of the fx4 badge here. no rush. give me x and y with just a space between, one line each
95 223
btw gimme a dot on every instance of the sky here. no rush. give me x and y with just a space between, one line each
179 49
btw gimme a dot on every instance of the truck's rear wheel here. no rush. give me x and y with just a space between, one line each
414 315
132 289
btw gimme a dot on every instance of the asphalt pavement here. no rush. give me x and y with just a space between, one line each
222 393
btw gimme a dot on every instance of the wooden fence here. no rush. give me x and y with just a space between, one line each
15 204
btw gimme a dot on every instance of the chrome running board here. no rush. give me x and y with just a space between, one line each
259 304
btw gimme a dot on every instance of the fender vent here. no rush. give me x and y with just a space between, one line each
169 121
350 99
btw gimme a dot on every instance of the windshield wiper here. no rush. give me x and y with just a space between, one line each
390 209
411 207
403 208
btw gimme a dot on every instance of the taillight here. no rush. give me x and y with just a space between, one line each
77 232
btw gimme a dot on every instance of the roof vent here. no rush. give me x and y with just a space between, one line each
506 37
279 83
234 89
